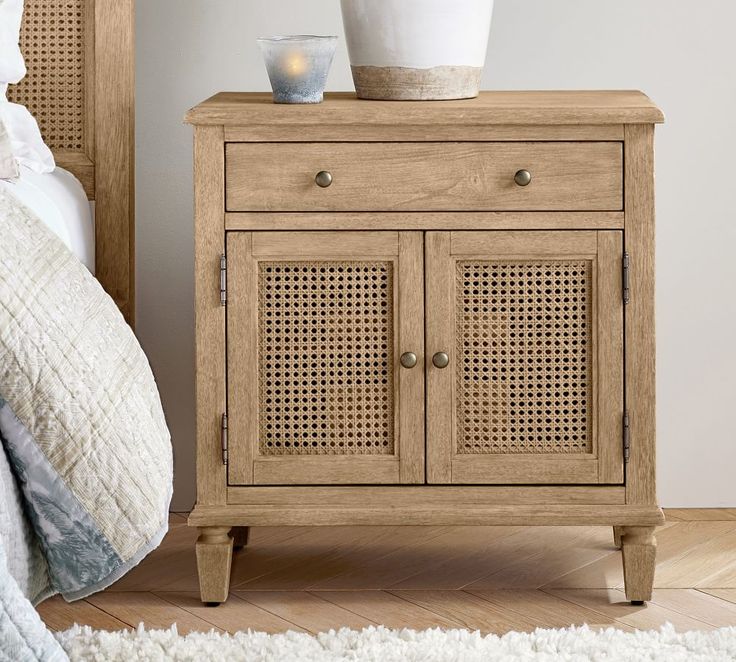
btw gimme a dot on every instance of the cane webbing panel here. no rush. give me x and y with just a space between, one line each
523 346
325 358
53 43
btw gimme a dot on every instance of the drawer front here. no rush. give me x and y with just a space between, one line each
565 176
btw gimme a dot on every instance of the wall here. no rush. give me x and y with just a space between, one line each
680 53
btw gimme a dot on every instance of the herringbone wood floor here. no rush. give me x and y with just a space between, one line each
493 579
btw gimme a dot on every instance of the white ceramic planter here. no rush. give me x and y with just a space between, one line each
417 49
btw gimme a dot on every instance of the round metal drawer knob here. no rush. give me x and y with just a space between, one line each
523 178
440 360
323 178
408 359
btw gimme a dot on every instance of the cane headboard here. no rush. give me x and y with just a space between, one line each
80 87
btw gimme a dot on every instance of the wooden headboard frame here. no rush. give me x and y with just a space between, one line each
80 88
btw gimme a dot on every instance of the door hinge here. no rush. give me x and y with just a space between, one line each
627 437
625 278
223 280
223 438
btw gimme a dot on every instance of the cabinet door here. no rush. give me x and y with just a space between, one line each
316 325
532 323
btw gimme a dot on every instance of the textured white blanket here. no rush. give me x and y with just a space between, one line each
80 415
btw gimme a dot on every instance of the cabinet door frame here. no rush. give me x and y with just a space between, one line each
246 466
604 465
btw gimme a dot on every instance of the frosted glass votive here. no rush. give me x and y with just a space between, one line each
298 66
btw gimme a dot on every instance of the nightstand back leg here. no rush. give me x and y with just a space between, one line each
240 536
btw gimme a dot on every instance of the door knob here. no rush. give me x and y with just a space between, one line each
408 359
440 360
323 178
523 177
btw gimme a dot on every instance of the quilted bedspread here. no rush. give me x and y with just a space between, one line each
80 421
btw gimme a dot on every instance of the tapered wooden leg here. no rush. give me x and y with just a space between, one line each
240 536
618 531
214 559
639 548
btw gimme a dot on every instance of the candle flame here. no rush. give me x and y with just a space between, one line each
296 64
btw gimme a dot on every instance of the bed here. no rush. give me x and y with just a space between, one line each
85 458
80 88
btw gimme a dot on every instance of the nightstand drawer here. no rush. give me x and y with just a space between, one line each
441 176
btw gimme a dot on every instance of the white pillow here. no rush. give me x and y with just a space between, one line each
26 143
8 164
12 66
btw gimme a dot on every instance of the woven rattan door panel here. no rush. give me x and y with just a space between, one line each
316 323
533 325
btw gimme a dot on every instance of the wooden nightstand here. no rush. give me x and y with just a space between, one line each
425 313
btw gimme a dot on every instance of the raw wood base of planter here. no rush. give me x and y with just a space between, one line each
407 84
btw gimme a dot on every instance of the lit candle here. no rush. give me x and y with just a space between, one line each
295 64
298 66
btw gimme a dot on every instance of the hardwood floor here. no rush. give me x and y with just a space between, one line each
494 579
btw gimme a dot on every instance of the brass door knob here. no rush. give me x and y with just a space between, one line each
523 177
440 360
323 178
408 359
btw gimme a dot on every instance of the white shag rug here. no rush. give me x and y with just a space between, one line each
575 644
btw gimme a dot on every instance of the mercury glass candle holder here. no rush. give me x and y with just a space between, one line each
298 66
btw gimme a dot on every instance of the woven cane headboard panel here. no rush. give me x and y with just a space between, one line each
79 55
54 35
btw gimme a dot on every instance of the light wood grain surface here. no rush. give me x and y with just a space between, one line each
114 155
508 108
491 578
640 314
439 295
527 220
420 514
429 495
214 551
459 131
242 326
209 245
424 176
609 357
